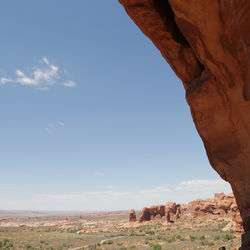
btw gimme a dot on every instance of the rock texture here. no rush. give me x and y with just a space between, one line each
207 44
222 206
170 211
152 213
132 215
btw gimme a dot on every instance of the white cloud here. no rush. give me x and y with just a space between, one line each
41 77
45 60
61 123
97 173
26 81
53 125
69 84
48 130
111 187
112 198
19 73
204 185
4 80
160 189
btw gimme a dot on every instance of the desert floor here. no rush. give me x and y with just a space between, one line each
112 231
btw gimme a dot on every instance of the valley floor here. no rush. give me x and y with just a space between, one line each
112 231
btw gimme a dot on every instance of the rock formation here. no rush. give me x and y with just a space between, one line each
169 211
222 206
172 211
207 44
132 215
152 213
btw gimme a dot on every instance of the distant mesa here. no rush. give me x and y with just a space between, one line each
221 206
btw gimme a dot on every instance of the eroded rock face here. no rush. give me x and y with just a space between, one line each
132 215
170 211
207 44
152 213
222 206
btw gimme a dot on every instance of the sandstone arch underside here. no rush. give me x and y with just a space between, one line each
207 44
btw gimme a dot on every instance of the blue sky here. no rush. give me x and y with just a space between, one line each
92 116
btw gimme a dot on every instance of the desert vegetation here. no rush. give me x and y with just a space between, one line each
113 231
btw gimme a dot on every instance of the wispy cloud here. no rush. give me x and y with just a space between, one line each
204 185
113 198
4 80
61 123
42 77
97 173
111 187
52 125
160 189
69 84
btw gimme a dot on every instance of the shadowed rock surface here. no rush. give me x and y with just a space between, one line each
207 44
152 213
170 211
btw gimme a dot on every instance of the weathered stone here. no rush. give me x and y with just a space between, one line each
132 215
222 206
170 210
207 44
152 213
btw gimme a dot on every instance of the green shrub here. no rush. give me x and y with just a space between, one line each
192 238
206 243
108 242
216 237
28 247
203 243
179 237
5 241
92 247
155 247
150 232
210 244
202 237
226 237
171 239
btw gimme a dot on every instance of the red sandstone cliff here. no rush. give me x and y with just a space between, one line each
207 44
221 206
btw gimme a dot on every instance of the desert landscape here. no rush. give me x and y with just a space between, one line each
117 109
200 224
